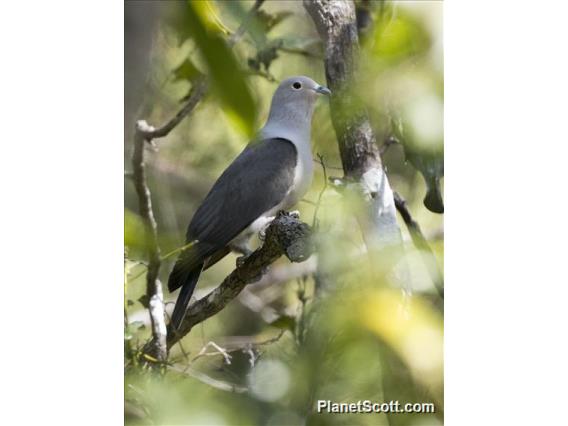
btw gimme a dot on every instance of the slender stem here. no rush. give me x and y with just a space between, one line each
237 35
320 195
421 243
153 285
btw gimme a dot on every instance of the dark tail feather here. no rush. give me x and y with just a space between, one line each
184 296
433 200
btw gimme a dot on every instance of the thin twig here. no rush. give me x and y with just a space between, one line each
301 314
146 133
197 93
127 342
271 340
204 378
302 52
218 351
157 347
305 200
265 74
328 166
241 347
320 195
335 22
153 285
200 86
177 250
421 244
237 35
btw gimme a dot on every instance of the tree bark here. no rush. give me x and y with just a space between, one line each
336 24
154 291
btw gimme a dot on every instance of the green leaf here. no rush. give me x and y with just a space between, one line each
186 71
133 230
224 69
131 329
269 21
285 322
400 38
252 25
137 325
263 57
144 300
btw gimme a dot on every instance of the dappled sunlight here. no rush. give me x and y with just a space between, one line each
357 321
412 328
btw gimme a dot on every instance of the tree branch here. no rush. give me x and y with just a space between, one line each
197 93
157 347
200 86
154 291
336 24
285 235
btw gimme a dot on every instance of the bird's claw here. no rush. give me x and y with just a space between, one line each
242 259
262 232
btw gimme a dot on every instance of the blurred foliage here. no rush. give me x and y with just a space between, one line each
347 334
198 21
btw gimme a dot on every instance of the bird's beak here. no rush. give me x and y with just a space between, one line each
323 90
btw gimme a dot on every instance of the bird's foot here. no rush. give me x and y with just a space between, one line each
267 221
242 259
262 232
243 249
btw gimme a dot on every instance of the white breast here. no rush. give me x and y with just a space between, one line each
297 132
303 176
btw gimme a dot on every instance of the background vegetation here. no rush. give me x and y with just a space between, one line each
282 345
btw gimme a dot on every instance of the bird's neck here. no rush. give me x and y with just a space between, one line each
289 122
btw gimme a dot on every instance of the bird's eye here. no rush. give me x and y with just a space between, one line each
297 85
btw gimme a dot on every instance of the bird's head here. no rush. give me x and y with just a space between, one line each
296 97
298 88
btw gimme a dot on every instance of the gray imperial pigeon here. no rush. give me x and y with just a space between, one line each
272 173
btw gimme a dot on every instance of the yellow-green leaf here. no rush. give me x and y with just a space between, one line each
228 78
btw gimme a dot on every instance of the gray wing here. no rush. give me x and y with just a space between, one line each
256 181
